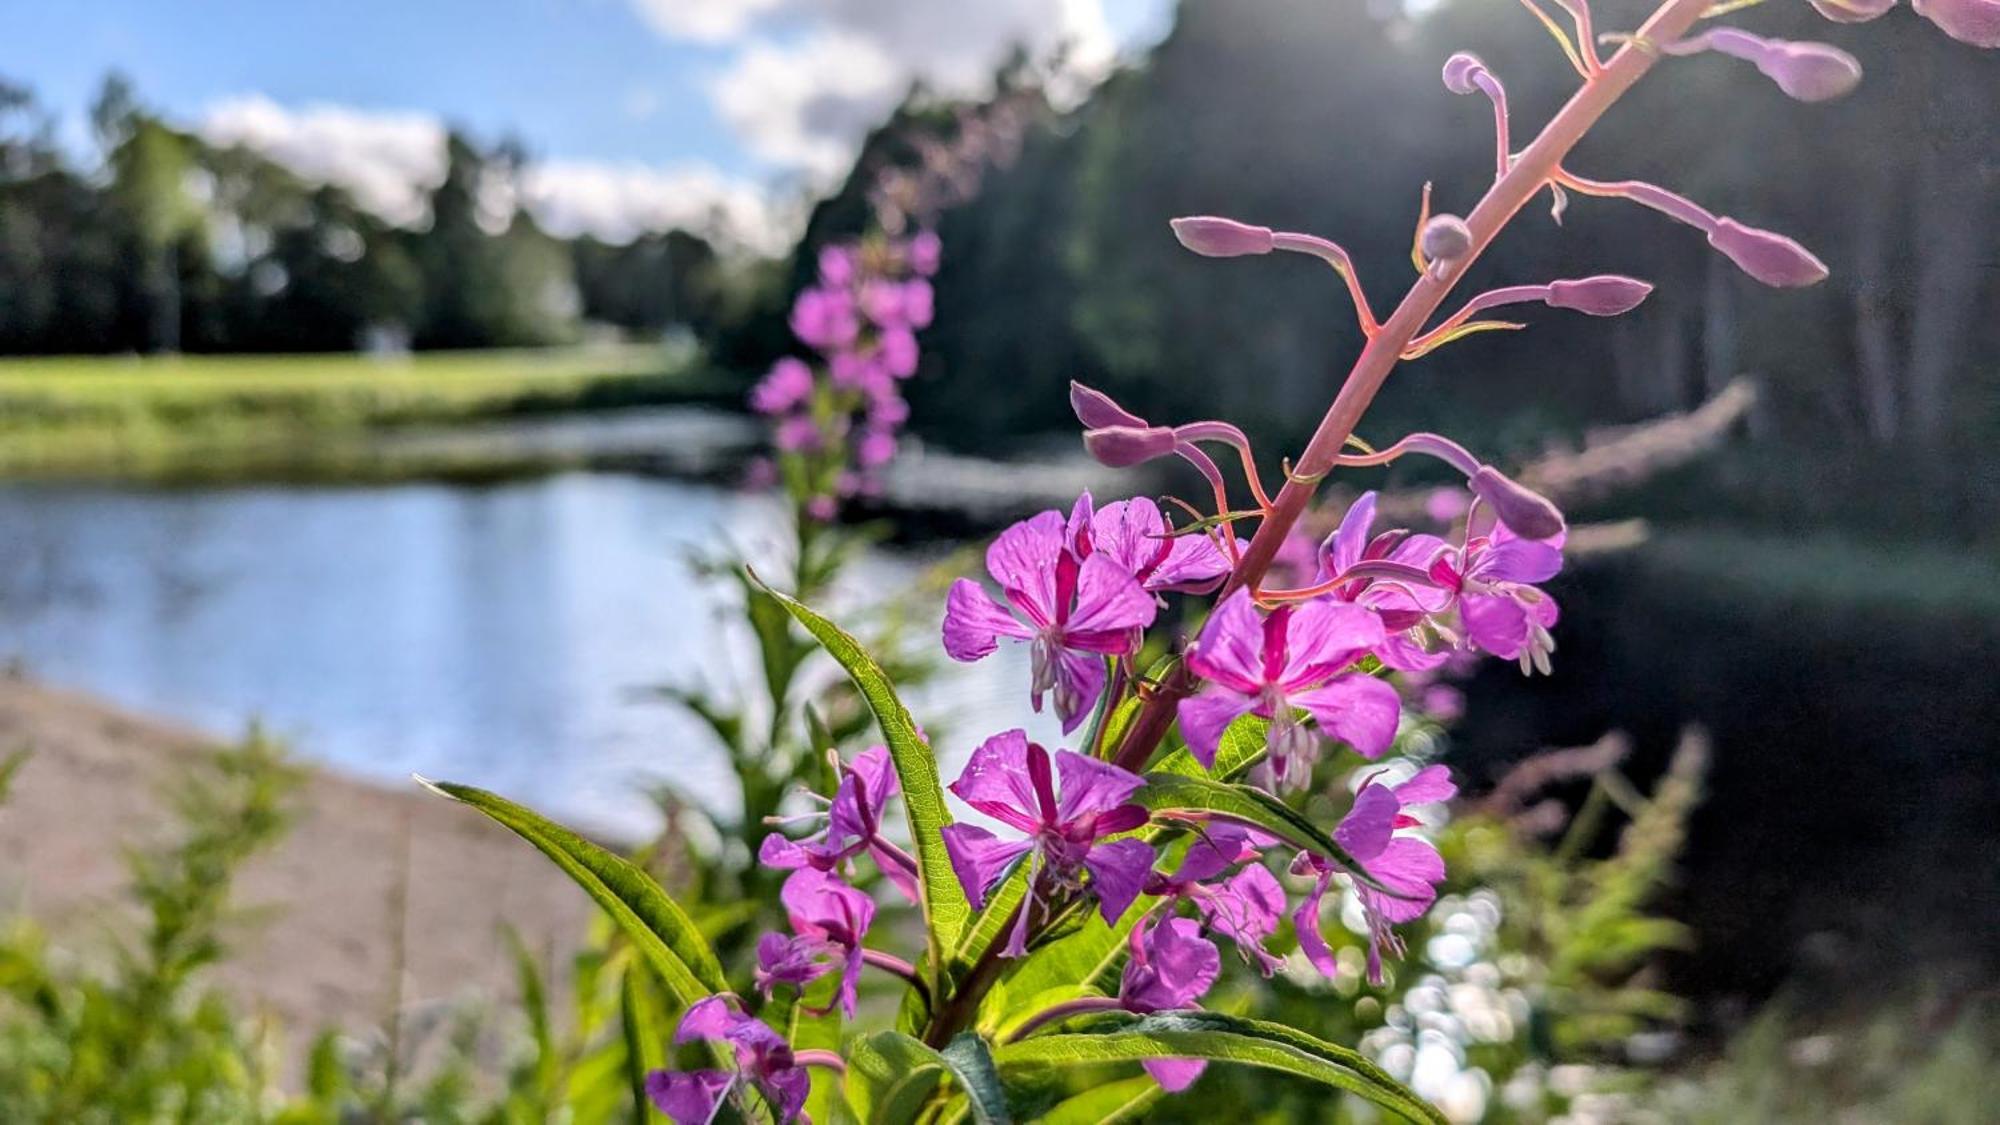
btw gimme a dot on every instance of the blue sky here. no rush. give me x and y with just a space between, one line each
737 97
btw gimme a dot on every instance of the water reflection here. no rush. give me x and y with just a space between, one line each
496 635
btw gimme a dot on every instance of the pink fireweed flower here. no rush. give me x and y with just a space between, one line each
1976 22
763 1060
1244 907
1299 656
1215 237
1010 780
853 827
836 265
796 433
1810 72
1390 575
924 253
1073 613
824 319
1407 865
898 350
1500 606
1134 534
829 919
1171 966
789 384
1853 11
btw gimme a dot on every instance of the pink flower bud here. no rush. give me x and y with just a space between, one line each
1604 295
1096 410
1445 238
923 252
1852 11
1214 237
1121 447
1528 513
1810 72
1770 258
1969 21
1460 70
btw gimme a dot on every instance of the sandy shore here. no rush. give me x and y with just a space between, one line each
324 953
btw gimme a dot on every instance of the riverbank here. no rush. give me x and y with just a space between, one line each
367 877
263 415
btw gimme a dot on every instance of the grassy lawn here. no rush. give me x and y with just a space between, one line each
146 416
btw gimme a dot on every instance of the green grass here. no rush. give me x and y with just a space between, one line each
123 416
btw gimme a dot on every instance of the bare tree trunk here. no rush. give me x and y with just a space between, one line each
1718 328
1949 227
1874 334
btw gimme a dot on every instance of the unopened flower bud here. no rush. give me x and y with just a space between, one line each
1852 11
1446 237
1770 258
1214 237
1121 447
1460 70
1810 72
1603 295
1096 410
1969 21
1528 513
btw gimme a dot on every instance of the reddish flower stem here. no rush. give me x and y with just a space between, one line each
1528 175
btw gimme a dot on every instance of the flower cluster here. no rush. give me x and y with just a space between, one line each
834 423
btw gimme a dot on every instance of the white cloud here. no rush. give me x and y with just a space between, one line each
803 106
808 77
616 202
703 21
391 161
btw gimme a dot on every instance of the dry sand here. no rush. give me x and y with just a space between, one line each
325 955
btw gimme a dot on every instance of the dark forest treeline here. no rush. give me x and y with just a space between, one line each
169 243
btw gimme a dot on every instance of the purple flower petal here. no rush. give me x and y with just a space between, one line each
1344 547
1370 824
1322 637
1427 786
1206 715
1357 709
1312 942
1411 867
1118 871
974 622
980 858
688 1097
1090 786
1171 966
709 1018
997 782
1079 681
1022 560
1230 650
1109 600
1175 1075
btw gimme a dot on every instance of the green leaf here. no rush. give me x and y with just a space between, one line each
1242 746
971 1063
1217 1038
656 924
1195 798
946 911
892 1076
646 1033
1106 1104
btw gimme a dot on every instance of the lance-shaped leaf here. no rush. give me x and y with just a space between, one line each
1106 1103
946 911
1175 797
1242 746
892 1076
1216 1037
656 924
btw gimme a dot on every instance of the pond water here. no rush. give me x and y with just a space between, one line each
499 635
